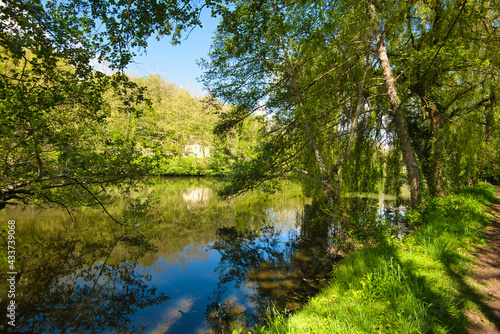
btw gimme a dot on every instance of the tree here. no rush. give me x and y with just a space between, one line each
290 62
50 137
54 104
319 69
172 118
397 113
443 55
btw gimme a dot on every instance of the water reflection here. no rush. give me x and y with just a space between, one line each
208 266
70 285
369 214
196 196
280 269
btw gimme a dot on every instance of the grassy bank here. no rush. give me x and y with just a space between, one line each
418 285
184 166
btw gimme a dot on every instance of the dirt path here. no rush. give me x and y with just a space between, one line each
487 274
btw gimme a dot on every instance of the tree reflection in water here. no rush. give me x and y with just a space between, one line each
85 277
282 271
69 286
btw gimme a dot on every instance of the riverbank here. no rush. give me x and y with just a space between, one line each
187 166
423 284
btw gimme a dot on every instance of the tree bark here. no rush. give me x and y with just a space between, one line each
408 155
435 183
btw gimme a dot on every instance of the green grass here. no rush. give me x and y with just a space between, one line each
419 285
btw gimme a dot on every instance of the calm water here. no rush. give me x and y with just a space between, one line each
193 264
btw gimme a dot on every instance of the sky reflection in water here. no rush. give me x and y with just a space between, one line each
193 265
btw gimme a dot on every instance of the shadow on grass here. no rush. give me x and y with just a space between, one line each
468 224
420 285
434 304
437 309
482 193
432 277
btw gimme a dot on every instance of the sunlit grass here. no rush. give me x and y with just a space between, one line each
419 285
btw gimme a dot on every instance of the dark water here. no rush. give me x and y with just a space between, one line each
193 264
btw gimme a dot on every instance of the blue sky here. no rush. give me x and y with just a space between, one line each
177 64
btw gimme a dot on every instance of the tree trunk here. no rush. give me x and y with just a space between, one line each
437 151
431 166
397 114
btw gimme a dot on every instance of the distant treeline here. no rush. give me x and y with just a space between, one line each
174 130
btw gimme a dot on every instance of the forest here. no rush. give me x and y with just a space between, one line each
334 96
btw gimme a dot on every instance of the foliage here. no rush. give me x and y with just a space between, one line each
267 58
67 130
171 121
53 146
318 79
448 80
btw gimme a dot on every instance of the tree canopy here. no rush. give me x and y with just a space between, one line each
348 81
55 106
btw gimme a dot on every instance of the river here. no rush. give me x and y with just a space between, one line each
191 264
